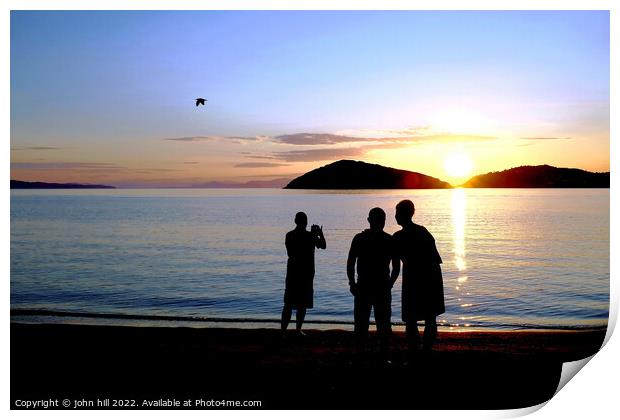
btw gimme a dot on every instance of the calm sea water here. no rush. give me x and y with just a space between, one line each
513 258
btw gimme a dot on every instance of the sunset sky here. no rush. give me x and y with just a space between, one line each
108 97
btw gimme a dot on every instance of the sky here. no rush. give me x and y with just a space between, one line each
109 96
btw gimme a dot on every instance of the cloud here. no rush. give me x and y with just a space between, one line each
190 139
391 133
546 138
393 136
234 139
315 138
451 137
259 165
244 138
310 155
253 156
404 136
373 140
254 176
46 166
190 163
195 138
36 148
151 170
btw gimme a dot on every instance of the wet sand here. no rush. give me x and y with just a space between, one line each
322 370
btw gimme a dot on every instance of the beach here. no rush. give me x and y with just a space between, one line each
160 367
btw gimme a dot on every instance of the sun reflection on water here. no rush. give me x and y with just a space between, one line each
458 222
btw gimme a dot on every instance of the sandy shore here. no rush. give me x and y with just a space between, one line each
479 370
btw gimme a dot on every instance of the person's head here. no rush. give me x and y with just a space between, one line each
404 212
376 218
301 220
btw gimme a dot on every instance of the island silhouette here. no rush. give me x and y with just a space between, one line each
541 176
350 175
16 184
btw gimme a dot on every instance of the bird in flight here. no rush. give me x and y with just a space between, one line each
200 101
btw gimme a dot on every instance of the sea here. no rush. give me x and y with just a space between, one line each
512 258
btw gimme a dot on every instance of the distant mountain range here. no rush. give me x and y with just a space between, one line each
15 184
542 176
272 183
350 175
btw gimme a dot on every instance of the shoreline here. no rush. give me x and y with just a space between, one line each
45 316
322 370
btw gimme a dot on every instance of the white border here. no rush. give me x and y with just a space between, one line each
590 395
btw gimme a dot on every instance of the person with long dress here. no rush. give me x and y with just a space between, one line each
422 292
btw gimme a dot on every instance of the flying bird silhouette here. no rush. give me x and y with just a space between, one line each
200 101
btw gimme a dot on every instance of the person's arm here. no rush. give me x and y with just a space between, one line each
287 243
320 239
351 266
434 253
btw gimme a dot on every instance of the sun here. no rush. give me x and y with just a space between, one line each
458 164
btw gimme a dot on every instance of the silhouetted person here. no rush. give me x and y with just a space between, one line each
373 250
200 101
299 291
422 296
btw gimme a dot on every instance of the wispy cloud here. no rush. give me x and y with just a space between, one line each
396 137
190 163
192 138
36 148
156 170
372 140
405 136
255 156
215 138
452 137
46 166
546 138
259 165
391 133
315 138
310 155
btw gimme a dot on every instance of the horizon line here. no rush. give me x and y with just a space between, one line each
243 184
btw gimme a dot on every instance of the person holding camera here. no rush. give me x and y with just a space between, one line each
299 291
